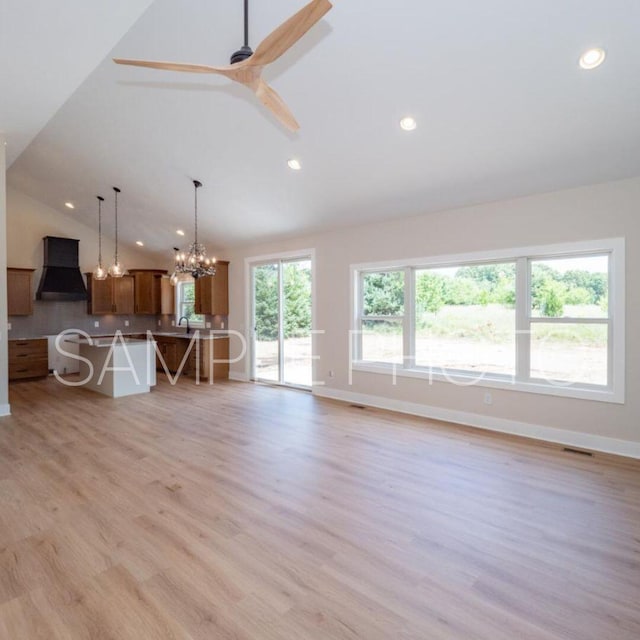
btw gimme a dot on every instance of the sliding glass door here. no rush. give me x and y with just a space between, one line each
281 301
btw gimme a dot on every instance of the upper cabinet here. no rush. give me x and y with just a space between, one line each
110 296
212 292
147 290
19 292
167 296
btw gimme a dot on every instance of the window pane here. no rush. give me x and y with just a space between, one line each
382 341
383 293
570 287
569 352
187 303
465 318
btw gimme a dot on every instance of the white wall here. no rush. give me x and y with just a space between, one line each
4 372
29 220
594 212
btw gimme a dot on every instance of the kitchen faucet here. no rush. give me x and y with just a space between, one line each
180 323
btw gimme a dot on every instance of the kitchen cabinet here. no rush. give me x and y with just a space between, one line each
28 359
147 290
173 350
212 292
167 296
19 292
110 296
214 356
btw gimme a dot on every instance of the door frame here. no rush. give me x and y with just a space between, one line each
254 261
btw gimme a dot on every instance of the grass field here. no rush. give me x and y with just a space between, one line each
482 338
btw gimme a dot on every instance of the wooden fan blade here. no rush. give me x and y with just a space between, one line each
289 32
276 105
175 66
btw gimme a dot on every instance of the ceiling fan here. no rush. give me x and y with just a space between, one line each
246 66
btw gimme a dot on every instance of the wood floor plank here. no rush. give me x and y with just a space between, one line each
247 512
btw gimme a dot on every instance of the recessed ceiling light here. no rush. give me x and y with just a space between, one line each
408 123
592 58
294 164
69 205
140 243
180 232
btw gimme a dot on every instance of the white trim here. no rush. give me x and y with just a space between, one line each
627 448
238 377
5 410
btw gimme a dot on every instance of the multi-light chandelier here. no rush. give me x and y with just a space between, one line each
195 262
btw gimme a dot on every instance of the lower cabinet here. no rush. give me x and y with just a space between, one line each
28 359
173 351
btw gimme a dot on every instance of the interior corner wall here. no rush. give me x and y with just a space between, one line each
4 356
587 213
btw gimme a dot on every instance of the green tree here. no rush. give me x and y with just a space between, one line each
552 296
266 301
297 300
430 292
383 293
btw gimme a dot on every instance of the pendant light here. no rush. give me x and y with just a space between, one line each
100 273
117 270
195 261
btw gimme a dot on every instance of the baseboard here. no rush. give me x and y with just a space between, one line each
5 410
238 377
578 439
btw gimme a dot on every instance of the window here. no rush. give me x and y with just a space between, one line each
382 316
540 319
186 292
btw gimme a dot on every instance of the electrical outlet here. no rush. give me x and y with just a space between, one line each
126 323
159 323
332 373
96 324
488 398
222 325
8 326
208 325
173 323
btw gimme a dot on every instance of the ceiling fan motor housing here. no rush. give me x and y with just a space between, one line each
242 54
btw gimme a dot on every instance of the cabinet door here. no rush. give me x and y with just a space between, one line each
19 296
143 285
123 296
220 292
100 296
147 292
212 292
221 352
167 297
202 290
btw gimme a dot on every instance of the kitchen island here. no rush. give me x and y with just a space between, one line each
116 366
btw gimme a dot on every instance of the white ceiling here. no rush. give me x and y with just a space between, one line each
502 106
47 49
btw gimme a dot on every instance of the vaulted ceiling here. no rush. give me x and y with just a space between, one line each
503 110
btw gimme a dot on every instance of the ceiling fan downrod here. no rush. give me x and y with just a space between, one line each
245 51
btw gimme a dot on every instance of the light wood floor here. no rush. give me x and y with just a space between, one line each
247 512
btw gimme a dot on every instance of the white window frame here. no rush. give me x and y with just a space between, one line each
179 302
614 391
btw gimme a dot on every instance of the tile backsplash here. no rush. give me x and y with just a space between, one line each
50 318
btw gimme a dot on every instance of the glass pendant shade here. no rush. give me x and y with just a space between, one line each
117 269
195 261
99 273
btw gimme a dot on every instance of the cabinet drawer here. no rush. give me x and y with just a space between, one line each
29 368
25 348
